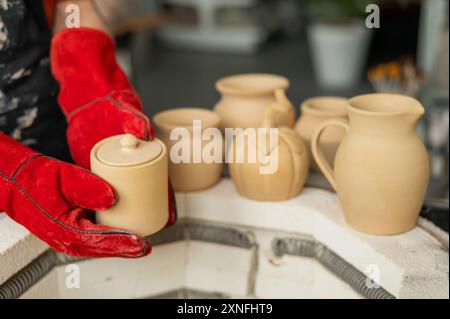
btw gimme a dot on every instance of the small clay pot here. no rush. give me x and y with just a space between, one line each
195 174
246 97
289 176
137 170
314 112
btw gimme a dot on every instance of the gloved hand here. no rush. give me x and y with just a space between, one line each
51 198
96 96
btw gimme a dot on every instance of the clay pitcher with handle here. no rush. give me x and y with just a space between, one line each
381 168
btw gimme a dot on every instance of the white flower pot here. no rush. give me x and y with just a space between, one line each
338 53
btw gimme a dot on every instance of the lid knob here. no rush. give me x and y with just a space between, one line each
129 142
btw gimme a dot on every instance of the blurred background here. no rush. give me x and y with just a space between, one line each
175 50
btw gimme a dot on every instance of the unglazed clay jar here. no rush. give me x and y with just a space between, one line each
381 168
316 111
195 174
246 97
289 175
137 170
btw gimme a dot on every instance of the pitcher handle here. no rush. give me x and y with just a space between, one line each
280 97
270 115
281 106
318 154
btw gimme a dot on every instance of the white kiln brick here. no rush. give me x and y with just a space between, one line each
406 261
302 277
328 286
222 204
218 268
17 247
299 270
169 275
217 256
216 280
271 287
321 284
292 267
412 265
129 278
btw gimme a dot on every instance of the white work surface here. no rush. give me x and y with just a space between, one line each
411 265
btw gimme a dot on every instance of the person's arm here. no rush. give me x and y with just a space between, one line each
90 16
95 94
54 200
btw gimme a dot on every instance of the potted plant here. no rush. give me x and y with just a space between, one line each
338 41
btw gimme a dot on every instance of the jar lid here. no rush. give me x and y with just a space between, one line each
127 150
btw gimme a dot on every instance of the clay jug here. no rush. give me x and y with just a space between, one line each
193 174
246 97
137 170
283 181
381 168
314 112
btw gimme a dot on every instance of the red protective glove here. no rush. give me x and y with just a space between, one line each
50 199
96 96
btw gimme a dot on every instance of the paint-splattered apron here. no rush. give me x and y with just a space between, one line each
28 106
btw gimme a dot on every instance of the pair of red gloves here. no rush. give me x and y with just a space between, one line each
53 199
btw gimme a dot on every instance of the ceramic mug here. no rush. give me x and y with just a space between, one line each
314 112
137 170
195 173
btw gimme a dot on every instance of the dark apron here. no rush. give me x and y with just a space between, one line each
28 107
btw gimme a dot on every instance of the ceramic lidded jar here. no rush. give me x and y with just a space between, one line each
314 112
137 170
381 169
246 97
280 166
188 170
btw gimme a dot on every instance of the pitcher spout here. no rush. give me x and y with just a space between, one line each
420 110
416 110
388 113
386 104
